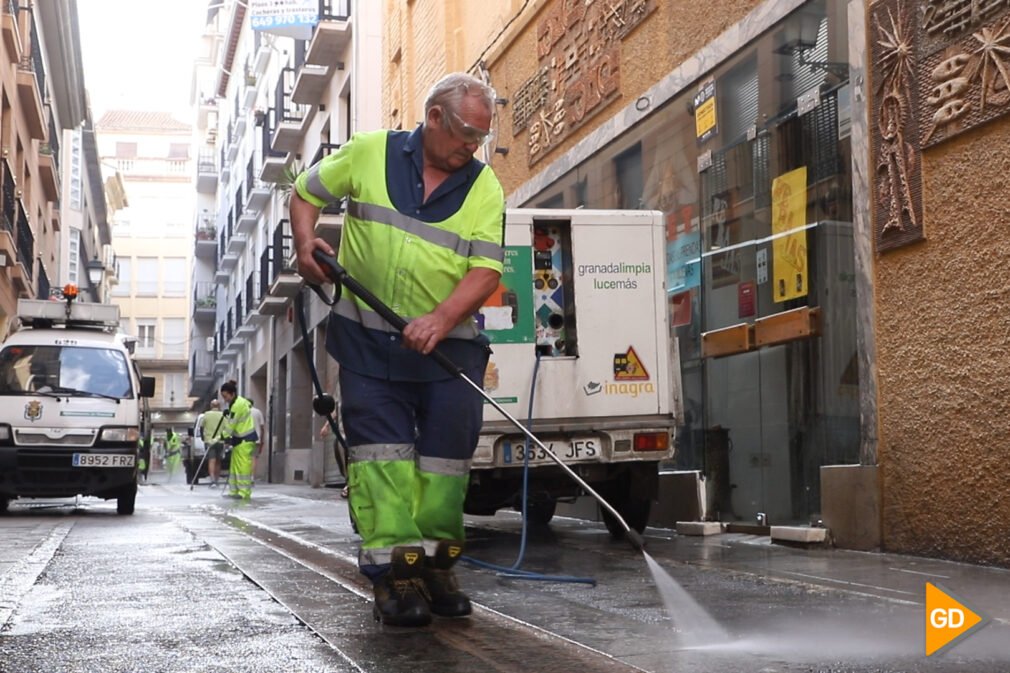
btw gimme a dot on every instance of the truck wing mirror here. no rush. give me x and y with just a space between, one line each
147 386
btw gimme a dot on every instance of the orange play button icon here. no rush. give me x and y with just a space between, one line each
948 619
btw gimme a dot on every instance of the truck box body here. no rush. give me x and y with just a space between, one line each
586 291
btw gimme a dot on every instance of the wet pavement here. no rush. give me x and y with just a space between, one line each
196 582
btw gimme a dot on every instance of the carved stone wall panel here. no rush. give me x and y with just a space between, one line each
966 82
897 165
578 47
944 21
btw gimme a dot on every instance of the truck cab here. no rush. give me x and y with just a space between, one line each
73 406
582 353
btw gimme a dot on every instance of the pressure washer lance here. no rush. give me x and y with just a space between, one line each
339 275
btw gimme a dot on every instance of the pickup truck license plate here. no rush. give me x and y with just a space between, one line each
579 448
103 460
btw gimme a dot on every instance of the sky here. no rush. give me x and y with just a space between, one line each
138 54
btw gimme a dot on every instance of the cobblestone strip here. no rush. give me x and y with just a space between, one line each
24 572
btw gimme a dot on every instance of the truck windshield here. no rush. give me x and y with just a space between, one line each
29 370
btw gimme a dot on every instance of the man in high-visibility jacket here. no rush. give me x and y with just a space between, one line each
423 232
211 431
240 431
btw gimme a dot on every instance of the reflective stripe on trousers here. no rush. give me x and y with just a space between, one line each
240 470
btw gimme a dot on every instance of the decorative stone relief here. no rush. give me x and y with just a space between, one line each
578 46
940 67
897 176
966 82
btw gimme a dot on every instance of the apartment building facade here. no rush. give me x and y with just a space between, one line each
267 107
150 155
52 204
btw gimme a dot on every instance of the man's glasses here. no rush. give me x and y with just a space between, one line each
471 135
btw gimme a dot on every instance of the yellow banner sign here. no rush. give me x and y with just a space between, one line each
789 245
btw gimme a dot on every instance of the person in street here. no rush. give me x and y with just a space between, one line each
212 432
261 431
423 232
173 453
144 459
240 431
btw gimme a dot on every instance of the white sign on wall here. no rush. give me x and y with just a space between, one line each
291 18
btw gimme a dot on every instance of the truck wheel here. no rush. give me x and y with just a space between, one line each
540 511
127 499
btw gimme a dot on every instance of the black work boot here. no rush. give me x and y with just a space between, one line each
444 596
399 598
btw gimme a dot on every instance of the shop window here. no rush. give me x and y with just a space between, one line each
628 165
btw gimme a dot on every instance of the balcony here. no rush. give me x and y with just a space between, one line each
24 241
292 118
331 218
31 102
205 302
246 224
49 173
262 53
332 33
201 370
310 84
268 304
235 245
274 165
250 94
206 238
206 172
11 31
284 281
8 251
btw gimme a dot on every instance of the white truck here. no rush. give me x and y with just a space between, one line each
582 309
73 407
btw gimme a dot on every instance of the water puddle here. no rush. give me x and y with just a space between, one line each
694 626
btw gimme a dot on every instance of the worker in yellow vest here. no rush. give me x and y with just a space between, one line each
173 453
240 432
423 232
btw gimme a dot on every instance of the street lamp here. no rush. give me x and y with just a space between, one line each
95 272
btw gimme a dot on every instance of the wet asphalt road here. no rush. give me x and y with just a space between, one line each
194 582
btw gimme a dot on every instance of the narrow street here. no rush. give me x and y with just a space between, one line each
82 589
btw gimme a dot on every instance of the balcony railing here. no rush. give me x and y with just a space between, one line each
325 150
25 242
205 294
33 61
339 10
44 286
201 363
281 251
10 204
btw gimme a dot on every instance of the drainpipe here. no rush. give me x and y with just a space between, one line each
271 376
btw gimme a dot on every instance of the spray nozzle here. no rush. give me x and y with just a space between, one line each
635 538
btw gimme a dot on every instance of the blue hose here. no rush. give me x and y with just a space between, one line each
514 571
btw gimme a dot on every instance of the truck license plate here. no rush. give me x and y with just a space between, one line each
579 448
103 460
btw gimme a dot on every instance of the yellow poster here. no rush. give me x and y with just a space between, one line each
789 245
